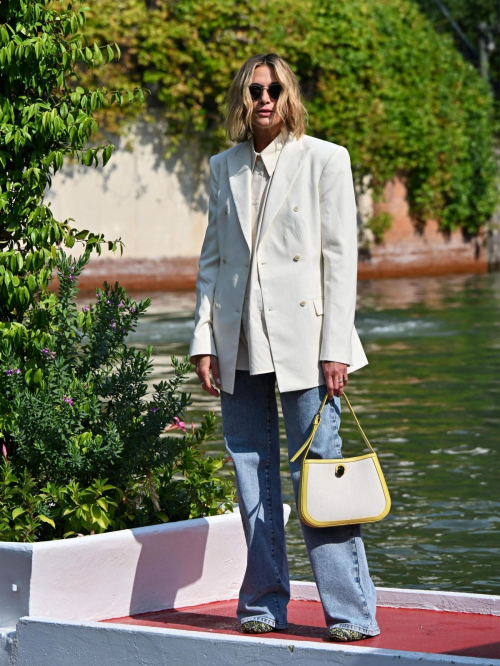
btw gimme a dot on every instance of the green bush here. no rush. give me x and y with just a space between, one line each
88 415
101 449
44 116
379 224
85 448
469 14
376 78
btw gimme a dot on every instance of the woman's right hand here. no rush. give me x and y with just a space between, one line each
204 363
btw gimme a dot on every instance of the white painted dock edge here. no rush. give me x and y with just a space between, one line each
127 572
45 642
42 641
392 597
7 644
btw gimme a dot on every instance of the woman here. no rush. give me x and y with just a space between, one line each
276 295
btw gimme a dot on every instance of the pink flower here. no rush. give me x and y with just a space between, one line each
4 452
178 425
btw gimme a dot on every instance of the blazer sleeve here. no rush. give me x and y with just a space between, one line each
202 341
340 257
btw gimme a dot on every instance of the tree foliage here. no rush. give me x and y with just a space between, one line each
84 447
45 116
376 78
469 15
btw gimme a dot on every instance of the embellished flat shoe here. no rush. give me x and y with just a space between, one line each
254 627
345 635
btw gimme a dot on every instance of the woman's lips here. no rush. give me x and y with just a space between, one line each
264 113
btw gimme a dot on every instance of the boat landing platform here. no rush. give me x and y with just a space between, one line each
402 629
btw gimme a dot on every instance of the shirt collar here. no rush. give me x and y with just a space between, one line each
271 153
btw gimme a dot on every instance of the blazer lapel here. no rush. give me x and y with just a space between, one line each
240 182
287 169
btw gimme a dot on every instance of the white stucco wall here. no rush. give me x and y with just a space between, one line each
158 206
172 565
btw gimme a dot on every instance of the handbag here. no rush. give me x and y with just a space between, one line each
341 491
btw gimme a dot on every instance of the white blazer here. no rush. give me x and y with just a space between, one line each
307 260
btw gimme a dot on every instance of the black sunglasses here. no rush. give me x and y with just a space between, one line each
256 90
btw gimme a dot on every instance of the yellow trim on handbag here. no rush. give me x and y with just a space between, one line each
340 462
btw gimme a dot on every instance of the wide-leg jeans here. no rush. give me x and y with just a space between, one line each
337 555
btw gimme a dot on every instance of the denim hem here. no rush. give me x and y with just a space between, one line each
264 618
356 627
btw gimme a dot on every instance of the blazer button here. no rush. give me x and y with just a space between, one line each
297 257
302 303
223 261
295 208
216 305
225 211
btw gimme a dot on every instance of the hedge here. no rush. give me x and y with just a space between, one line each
376 77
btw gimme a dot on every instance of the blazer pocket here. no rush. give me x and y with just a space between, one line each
318 305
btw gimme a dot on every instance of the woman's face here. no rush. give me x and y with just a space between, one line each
263 115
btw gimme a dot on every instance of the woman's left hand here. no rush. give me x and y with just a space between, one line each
336 377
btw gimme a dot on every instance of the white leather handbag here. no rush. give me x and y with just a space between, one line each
341 491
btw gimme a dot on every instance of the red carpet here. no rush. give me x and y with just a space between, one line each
436 632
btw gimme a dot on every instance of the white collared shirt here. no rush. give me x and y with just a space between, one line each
254 352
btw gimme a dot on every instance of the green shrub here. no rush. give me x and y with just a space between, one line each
88 413
379 224
21 506
469 14
44 116
376 78
105 454
85 448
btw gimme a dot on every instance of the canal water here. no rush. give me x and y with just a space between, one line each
430 403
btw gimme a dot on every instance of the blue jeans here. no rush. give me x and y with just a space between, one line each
251 434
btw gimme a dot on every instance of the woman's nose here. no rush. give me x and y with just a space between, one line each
265 97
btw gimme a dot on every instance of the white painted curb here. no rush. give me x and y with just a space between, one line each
7 645
127 572
393 597
54 642
46 642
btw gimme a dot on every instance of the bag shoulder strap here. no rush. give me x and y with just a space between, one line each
317 420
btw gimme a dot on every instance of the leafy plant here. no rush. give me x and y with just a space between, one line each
80 511
376 78
45 116
379 224
103 449
470 15
21 506
85 446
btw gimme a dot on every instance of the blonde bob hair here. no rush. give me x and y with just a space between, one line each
239 104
